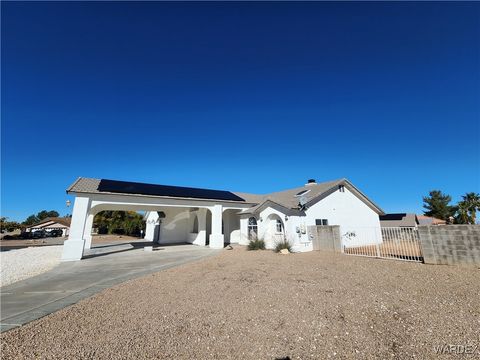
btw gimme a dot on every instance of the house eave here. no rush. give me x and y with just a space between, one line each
350 187
69 192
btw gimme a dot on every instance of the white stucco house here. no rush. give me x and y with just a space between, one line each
214 218
51 223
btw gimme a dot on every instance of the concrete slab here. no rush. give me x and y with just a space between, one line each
71 282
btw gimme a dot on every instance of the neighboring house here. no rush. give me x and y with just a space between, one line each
213 217
427 220
52 223
399 220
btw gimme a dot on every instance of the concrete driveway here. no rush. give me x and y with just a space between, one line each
103 267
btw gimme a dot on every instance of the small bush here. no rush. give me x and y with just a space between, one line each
283 244
256 244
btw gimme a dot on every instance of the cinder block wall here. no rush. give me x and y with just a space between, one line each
450 244
326 238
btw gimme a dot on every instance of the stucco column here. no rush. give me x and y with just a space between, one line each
73 247
87 232
202 227
244 231
216 238
150 228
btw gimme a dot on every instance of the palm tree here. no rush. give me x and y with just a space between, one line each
472 202
462 213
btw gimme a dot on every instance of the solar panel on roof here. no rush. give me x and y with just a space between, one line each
125 187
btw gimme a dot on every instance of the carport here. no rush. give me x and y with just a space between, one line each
193 215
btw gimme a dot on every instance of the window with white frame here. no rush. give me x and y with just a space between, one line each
321 222
252 228
279 226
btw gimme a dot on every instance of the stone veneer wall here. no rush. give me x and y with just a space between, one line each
450 244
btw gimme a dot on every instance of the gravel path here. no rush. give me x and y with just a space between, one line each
261 305
20 264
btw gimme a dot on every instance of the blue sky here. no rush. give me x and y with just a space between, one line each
253 97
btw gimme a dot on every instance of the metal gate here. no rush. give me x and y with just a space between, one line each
398 243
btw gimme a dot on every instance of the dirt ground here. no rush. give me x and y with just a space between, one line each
391 249
12 244
106 239
6 245
262 305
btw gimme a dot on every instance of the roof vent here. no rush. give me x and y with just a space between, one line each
302 193
311 182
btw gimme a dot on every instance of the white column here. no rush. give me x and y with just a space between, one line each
243 231
87 232
151 223
216 238
202 228
73 247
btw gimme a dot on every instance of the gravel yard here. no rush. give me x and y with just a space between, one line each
261 305
23 263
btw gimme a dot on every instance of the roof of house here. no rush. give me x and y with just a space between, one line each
311 193
287 199
60 220
428 220
398 219
105 186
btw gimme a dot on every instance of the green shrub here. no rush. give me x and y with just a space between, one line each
283 244
256 244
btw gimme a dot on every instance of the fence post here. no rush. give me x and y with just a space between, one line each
377 245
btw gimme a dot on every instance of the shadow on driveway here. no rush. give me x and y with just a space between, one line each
71 282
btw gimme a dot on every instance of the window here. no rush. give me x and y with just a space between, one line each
321 222
252 228
341 188
279 226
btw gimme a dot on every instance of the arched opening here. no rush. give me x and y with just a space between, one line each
252 228
118 222
274 230
115 224
208 227
157 237
195 225
231 226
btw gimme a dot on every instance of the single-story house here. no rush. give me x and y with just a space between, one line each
399 220
428 220
52 223
215 217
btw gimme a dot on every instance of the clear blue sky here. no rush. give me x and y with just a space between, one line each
253 97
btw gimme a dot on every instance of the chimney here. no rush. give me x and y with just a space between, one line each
311 182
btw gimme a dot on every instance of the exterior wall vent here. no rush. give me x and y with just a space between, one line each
311 182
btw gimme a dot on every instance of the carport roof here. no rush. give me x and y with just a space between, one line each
106 186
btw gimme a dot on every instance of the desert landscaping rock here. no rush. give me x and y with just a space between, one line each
261 305
21 264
